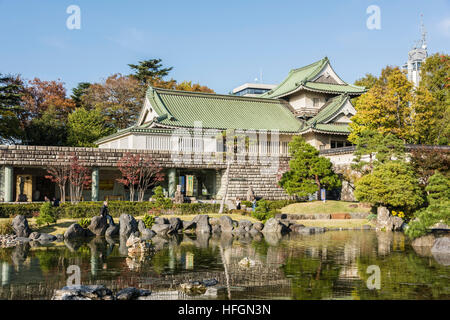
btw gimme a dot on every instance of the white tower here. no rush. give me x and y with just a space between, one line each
416 56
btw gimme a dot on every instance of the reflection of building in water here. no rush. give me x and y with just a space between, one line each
5 273
189 257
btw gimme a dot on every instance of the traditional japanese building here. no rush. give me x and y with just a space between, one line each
185 131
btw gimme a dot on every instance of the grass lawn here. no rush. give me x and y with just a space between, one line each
338 223
330 206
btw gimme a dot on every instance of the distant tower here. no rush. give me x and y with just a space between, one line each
416 56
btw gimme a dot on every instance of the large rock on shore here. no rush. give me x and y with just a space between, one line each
112 231
20 226
275 226
98 225
76 231
386 222
202 222
441 250
226 224
176 224
128 225
161 228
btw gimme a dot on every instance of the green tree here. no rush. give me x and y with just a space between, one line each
46 214
308 172
377 148
435 75
85 127
386 107
149 70
425 218
79 92
391 184
47 130
11 92
438 188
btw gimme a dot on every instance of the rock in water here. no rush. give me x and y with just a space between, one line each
132 293
98 225
128 225
274 226
81 292
441 251
75 231
112 231
203 225
176 224
161 228
226 224
20 226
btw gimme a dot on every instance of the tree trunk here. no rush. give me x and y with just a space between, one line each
227 174
318 186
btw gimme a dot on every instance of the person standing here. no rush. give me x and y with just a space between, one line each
238 204
104 212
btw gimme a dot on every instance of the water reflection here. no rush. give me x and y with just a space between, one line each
330 265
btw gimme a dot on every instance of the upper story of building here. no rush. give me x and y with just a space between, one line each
312 101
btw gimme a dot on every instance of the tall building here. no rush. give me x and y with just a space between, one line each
252 89
416 56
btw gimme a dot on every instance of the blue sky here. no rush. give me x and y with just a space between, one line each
221 44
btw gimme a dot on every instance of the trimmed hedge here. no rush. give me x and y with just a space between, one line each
88 209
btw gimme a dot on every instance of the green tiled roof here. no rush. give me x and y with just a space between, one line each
329 109
302 77
328 128
182 109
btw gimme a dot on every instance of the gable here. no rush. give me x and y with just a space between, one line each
328 75
148 113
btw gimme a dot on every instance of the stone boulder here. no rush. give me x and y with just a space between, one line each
202 222
397 223
76 231
296 227
20 226
147 234
424 241
387 222
137 246
83 292
189 225
45 237
161 228
441 251
226 224
34 235
112 231
161 220
98 225
193 288
258 226
141 225
275 226
176 224
245 224
128 225
132 293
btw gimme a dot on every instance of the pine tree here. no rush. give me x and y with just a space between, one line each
308 172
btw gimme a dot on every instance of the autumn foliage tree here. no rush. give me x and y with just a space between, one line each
79 178
59 174
139 173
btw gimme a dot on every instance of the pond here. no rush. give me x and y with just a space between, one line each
330 265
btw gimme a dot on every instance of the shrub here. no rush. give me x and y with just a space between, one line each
46 214
425 218
372 216
84 222
148 220
160 200
6 227
194 208
438 188
248 204
263 212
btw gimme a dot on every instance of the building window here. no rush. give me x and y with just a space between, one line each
316 102
340 144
